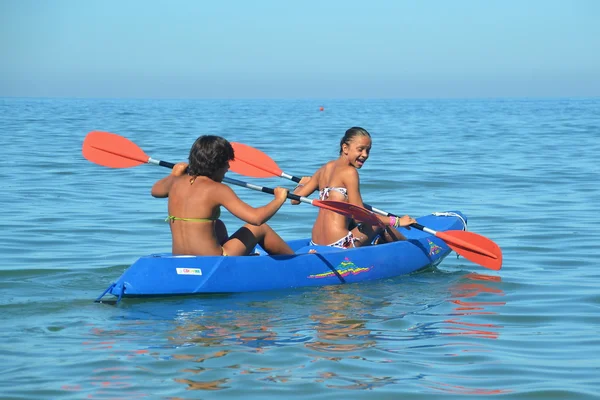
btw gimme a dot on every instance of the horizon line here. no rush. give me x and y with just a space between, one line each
580 97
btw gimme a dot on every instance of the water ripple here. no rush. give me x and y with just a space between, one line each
523 170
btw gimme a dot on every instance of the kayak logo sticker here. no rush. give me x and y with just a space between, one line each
344 269
188 271
433 248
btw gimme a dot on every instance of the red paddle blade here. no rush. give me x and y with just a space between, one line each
349 210
113 151
474 247
252 162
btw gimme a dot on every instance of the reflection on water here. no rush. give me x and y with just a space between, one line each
337 325
464 323
308 336
206 385
474 286
456 389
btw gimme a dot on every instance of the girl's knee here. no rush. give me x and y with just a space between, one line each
391 235
264 229
267 227
259 231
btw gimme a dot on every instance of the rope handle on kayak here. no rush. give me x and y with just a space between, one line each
451 214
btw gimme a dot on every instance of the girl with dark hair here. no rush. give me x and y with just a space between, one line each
338 180
196 194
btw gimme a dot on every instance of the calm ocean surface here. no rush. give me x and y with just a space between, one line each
525 172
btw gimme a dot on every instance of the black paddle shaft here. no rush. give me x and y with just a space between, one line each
290 196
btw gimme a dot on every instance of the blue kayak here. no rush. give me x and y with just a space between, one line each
166 275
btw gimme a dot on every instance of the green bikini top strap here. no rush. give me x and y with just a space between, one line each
173 218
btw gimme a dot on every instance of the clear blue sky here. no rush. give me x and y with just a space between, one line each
299 48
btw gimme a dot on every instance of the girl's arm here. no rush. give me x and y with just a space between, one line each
162 187
404 221
351 182
245 212
307 185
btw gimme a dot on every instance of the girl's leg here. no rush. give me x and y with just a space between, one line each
390 235
272 242
364 234
243 241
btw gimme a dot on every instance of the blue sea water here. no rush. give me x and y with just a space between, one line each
525 172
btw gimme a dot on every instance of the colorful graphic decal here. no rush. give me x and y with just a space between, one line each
189 271
433 248
345 268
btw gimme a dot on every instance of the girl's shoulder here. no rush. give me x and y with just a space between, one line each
331 166
334 174
347 171
327 165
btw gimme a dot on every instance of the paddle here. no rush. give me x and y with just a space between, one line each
252 162
115 151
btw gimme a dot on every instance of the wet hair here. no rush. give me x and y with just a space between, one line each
350 134
209 154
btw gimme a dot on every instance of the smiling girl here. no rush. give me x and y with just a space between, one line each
338 180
